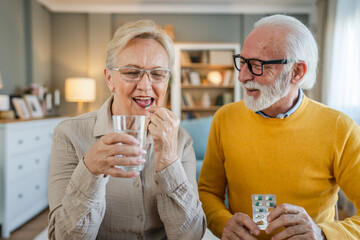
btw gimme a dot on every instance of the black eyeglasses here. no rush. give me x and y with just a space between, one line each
256 66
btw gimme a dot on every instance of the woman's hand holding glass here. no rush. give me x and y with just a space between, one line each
102 156
164 126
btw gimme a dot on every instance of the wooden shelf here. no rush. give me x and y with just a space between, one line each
186 98
200 108
190 86
207 66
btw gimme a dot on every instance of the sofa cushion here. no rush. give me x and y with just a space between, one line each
198 129
199 163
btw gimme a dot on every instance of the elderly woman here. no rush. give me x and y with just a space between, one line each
90 197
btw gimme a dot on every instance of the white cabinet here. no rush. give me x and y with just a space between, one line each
24 168
192 92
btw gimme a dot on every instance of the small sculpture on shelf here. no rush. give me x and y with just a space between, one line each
206 101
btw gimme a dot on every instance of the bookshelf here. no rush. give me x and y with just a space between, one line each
204 78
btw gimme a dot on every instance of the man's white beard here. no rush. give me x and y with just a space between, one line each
268 94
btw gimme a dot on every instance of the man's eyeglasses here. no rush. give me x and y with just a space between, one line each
256 66
133 74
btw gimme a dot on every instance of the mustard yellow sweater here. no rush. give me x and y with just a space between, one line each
303 159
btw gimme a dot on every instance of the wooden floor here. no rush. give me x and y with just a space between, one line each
30 229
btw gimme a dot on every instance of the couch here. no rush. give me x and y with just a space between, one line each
199 131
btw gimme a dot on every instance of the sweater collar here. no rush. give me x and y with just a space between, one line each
288 113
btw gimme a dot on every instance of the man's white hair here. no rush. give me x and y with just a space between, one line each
301 45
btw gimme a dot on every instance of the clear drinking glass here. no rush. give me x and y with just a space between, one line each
134 125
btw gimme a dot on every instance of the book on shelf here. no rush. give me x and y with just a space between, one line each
190 115
197 115
185 58
224 98
188 99
228 98
183 103
185 76
228 77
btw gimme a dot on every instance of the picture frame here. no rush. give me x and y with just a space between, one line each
34 106
195 78
20 108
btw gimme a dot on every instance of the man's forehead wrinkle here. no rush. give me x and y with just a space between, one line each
265 44
272 46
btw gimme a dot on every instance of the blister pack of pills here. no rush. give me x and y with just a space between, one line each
262 204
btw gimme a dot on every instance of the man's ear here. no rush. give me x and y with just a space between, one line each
108 79
298 72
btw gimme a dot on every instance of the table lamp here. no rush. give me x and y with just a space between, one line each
214 77
80 90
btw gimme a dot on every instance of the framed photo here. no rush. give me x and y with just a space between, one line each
195 78
20 108
34 106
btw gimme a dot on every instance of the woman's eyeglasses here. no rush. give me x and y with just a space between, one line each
133 74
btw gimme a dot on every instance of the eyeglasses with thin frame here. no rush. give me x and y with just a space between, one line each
256 66
134 74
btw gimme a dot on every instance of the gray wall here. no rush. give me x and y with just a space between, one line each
69 52
13 54
193 28
40 52
24 45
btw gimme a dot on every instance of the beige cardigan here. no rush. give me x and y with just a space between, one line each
151 206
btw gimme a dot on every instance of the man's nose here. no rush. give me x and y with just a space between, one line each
245 74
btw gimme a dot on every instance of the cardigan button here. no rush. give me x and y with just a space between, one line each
140 217
136 183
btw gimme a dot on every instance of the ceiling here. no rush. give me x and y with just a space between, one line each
180 6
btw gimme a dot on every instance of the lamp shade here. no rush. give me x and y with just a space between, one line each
80 90
214 77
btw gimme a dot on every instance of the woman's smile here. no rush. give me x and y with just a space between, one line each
144 101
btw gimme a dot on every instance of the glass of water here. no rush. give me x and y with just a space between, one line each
134 125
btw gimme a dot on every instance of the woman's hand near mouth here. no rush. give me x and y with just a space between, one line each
164 126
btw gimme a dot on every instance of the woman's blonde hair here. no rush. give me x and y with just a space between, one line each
139 29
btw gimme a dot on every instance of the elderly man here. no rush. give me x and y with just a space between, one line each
277 141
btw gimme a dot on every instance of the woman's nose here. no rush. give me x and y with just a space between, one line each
144 83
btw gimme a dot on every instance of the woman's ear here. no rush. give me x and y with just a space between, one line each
298 72
108 79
